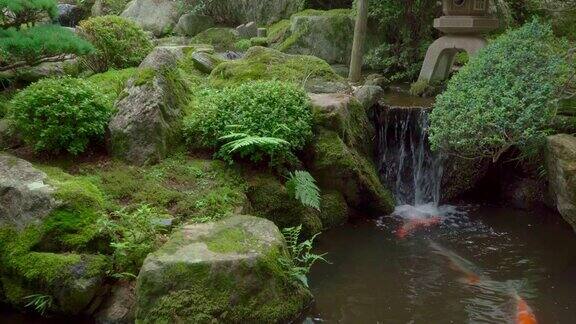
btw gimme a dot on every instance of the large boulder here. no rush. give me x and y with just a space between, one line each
261 63
337 166
461 175
147 123
192 24
119 307
270 199
561 169
235 12
229 271
325 34
25 195
345 115
156 16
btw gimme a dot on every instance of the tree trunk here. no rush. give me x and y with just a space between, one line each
359 38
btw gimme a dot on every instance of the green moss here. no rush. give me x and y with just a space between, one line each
259 41
262 63
188 189
277 31
221 38
334 210
243 44
144 76
342 168
270 199
333 12
231 240
112 83
237 294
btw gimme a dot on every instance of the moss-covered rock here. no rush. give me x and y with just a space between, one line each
334 210
262 63
192 190
146 126
228 271
461 175
270 199
70 280
344 115
561 169
342 168
325 34
223 39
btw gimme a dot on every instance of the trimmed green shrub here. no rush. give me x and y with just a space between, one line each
502 97
62 114
119 43
260 109
113 82
24 43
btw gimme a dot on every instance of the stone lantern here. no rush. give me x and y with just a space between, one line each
464 22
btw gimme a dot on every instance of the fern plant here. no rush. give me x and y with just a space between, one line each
302 186
245 145
40 303
300 257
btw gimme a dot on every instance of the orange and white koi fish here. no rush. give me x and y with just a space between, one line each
524 314
415 224
458 264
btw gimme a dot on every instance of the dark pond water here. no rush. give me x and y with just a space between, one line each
377 277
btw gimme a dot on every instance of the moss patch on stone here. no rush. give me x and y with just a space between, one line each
334 210
262 63
270 199
337 166
188 189
221 38
112 82
232 240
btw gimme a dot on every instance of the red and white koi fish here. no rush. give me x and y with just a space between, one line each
414 224
524 314
458 264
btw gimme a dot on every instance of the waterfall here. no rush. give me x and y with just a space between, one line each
406 163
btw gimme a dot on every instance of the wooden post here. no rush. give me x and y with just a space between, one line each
359 38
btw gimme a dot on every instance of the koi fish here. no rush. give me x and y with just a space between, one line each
524 314
414 224
458 264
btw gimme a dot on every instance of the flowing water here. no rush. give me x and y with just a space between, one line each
431 263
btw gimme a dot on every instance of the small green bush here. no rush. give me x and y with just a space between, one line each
112 82
260 109
243 44
61 114
502 97
119 43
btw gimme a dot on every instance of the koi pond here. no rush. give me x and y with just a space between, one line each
474 266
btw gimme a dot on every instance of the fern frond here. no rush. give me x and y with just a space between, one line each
302 186
243 142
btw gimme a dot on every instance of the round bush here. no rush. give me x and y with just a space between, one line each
119 43
263 108
60 114
503 97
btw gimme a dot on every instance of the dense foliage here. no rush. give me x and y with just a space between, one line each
22 42
406 29
259 109
119 43
300 259
503 97
61 114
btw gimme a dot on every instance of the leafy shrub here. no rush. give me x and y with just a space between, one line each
260 109
22 42
134 235
119 43
300 259
61 114
243 44
302 186
405 31
502 97
113 82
